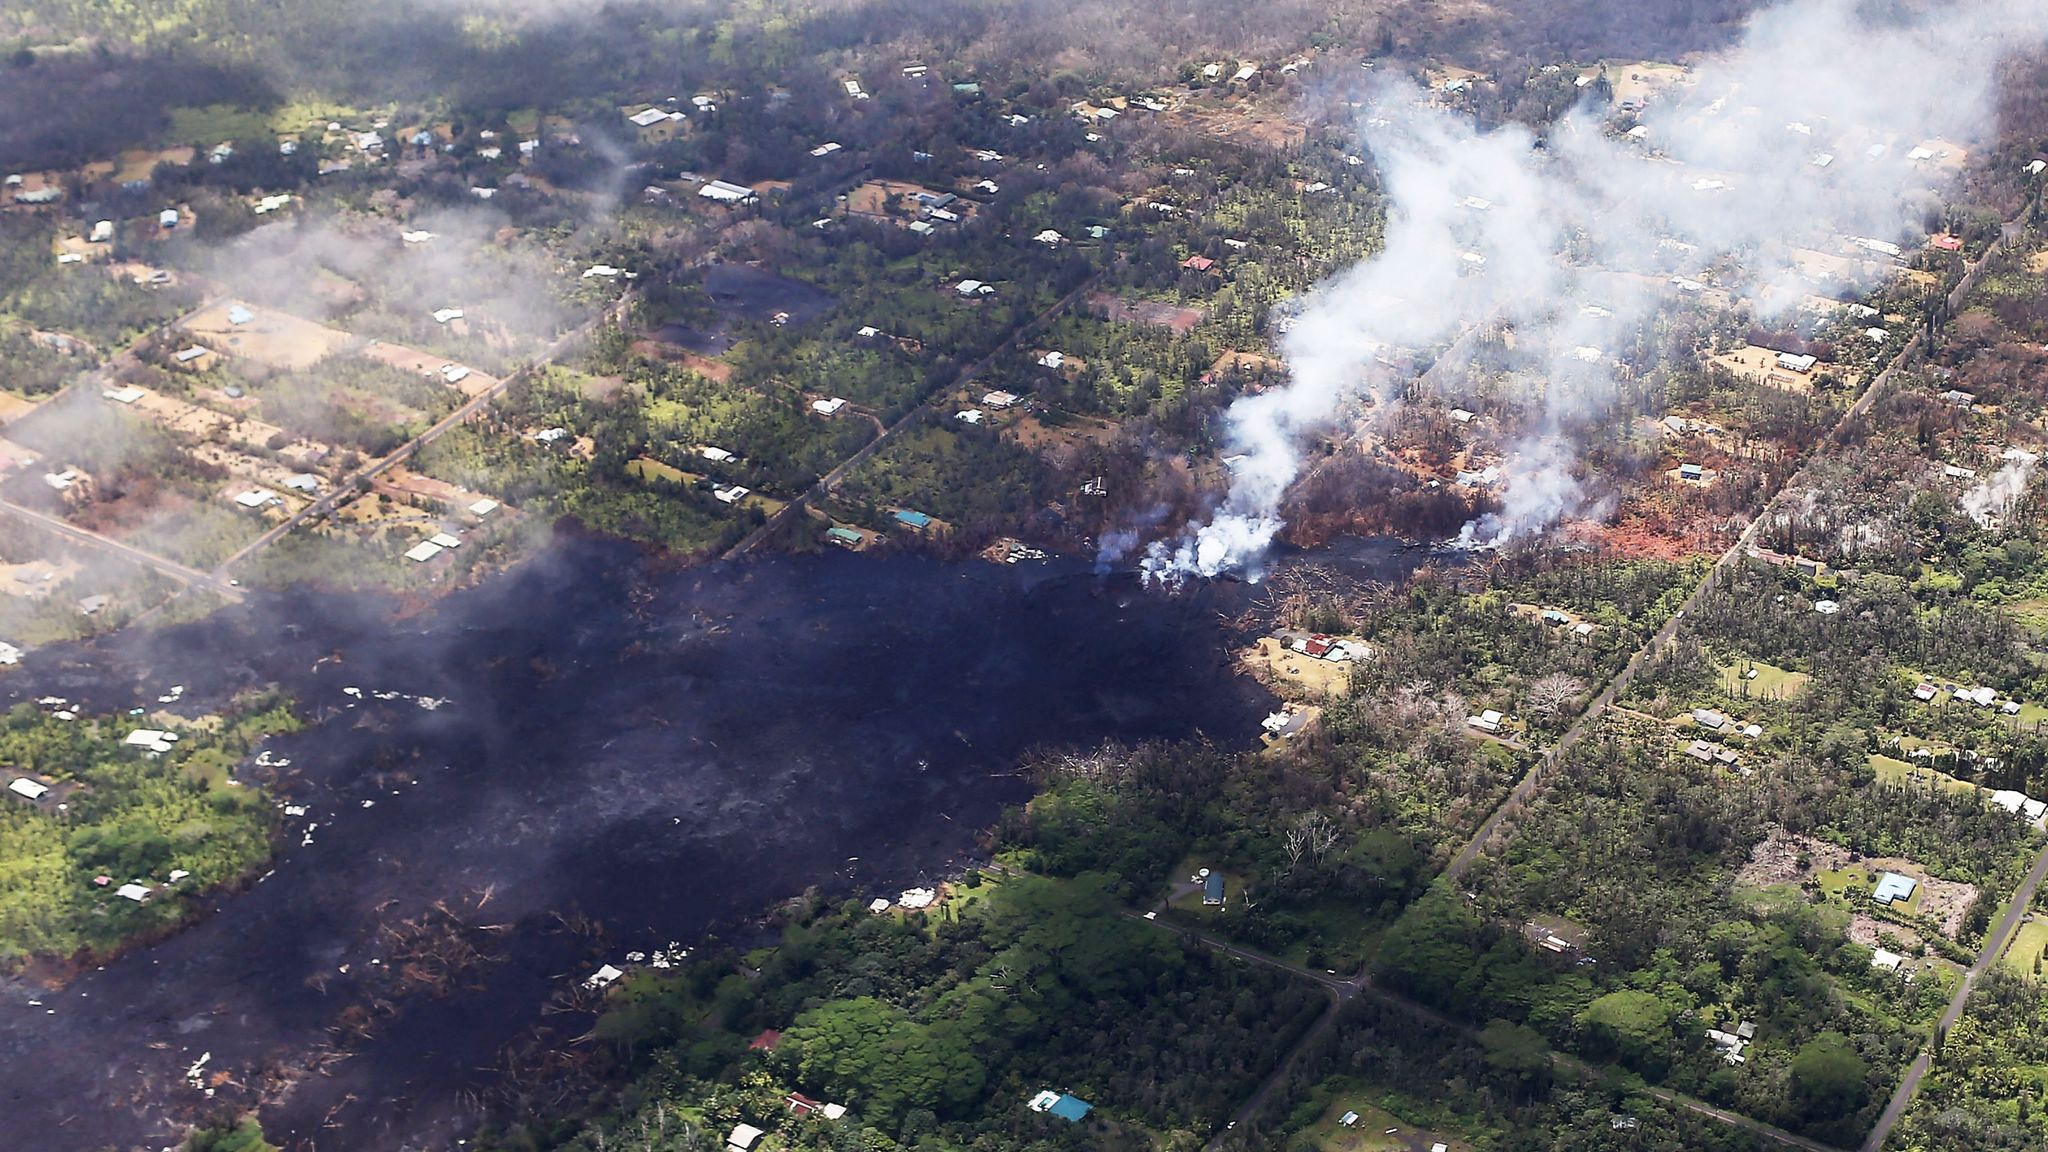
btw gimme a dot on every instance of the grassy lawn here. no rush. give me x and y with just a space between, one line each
1895 771
648 468
2027 945
1855 883
1769 682
215 123
1370 1133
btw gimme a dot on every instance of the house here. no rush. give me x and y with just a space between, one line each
166 219
1053 360
1826 607
969 416
27 789
828 407
423 551
447 315
1460 416
1795 363
1957 472
743 1137
991 187
1709 719
1050 238
2020 805
188 355
911 519
483 507
973 288
445 540
1072 1109
1701 751
603 978
1730 1044
732 495
765 1042
1959 398
257 498
1348 1120
239 315
826 149
1692 472
998 400
151 739
844 537
1488 721
132 891
95 604
1285 723
727 193
455 374
303 482
1198 263
1885 960
715 455
1925 692
1212 889
1893 888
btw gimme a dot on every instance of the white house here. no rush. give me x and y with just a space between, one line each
726 193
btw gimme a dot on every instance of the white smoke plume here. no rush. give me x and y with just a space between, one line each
1989 501
1829 122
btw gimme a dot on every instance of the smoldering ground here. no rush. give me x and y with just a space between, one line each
652 751
1815 127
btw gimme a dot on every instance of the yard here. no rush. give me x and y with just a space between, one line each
1284 668
1892 770
2027 947
1375 1130
1757 681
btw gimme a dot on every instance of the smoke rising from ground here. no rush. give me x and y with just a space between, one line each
1988 502
1809 131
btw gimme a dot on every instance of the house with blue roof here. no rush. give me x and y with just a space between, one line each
1072 1109
1892 888
917 520
1212 888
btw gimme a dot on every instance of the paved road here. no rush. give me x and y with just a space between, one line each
171 568
342 492
1994 948
1525 788
830 480
1343 989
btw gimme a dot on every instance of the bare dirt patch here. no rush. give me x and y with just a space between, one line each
1283 668
1178 317
703 366
273 339
426 364
1776 859
1078 433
